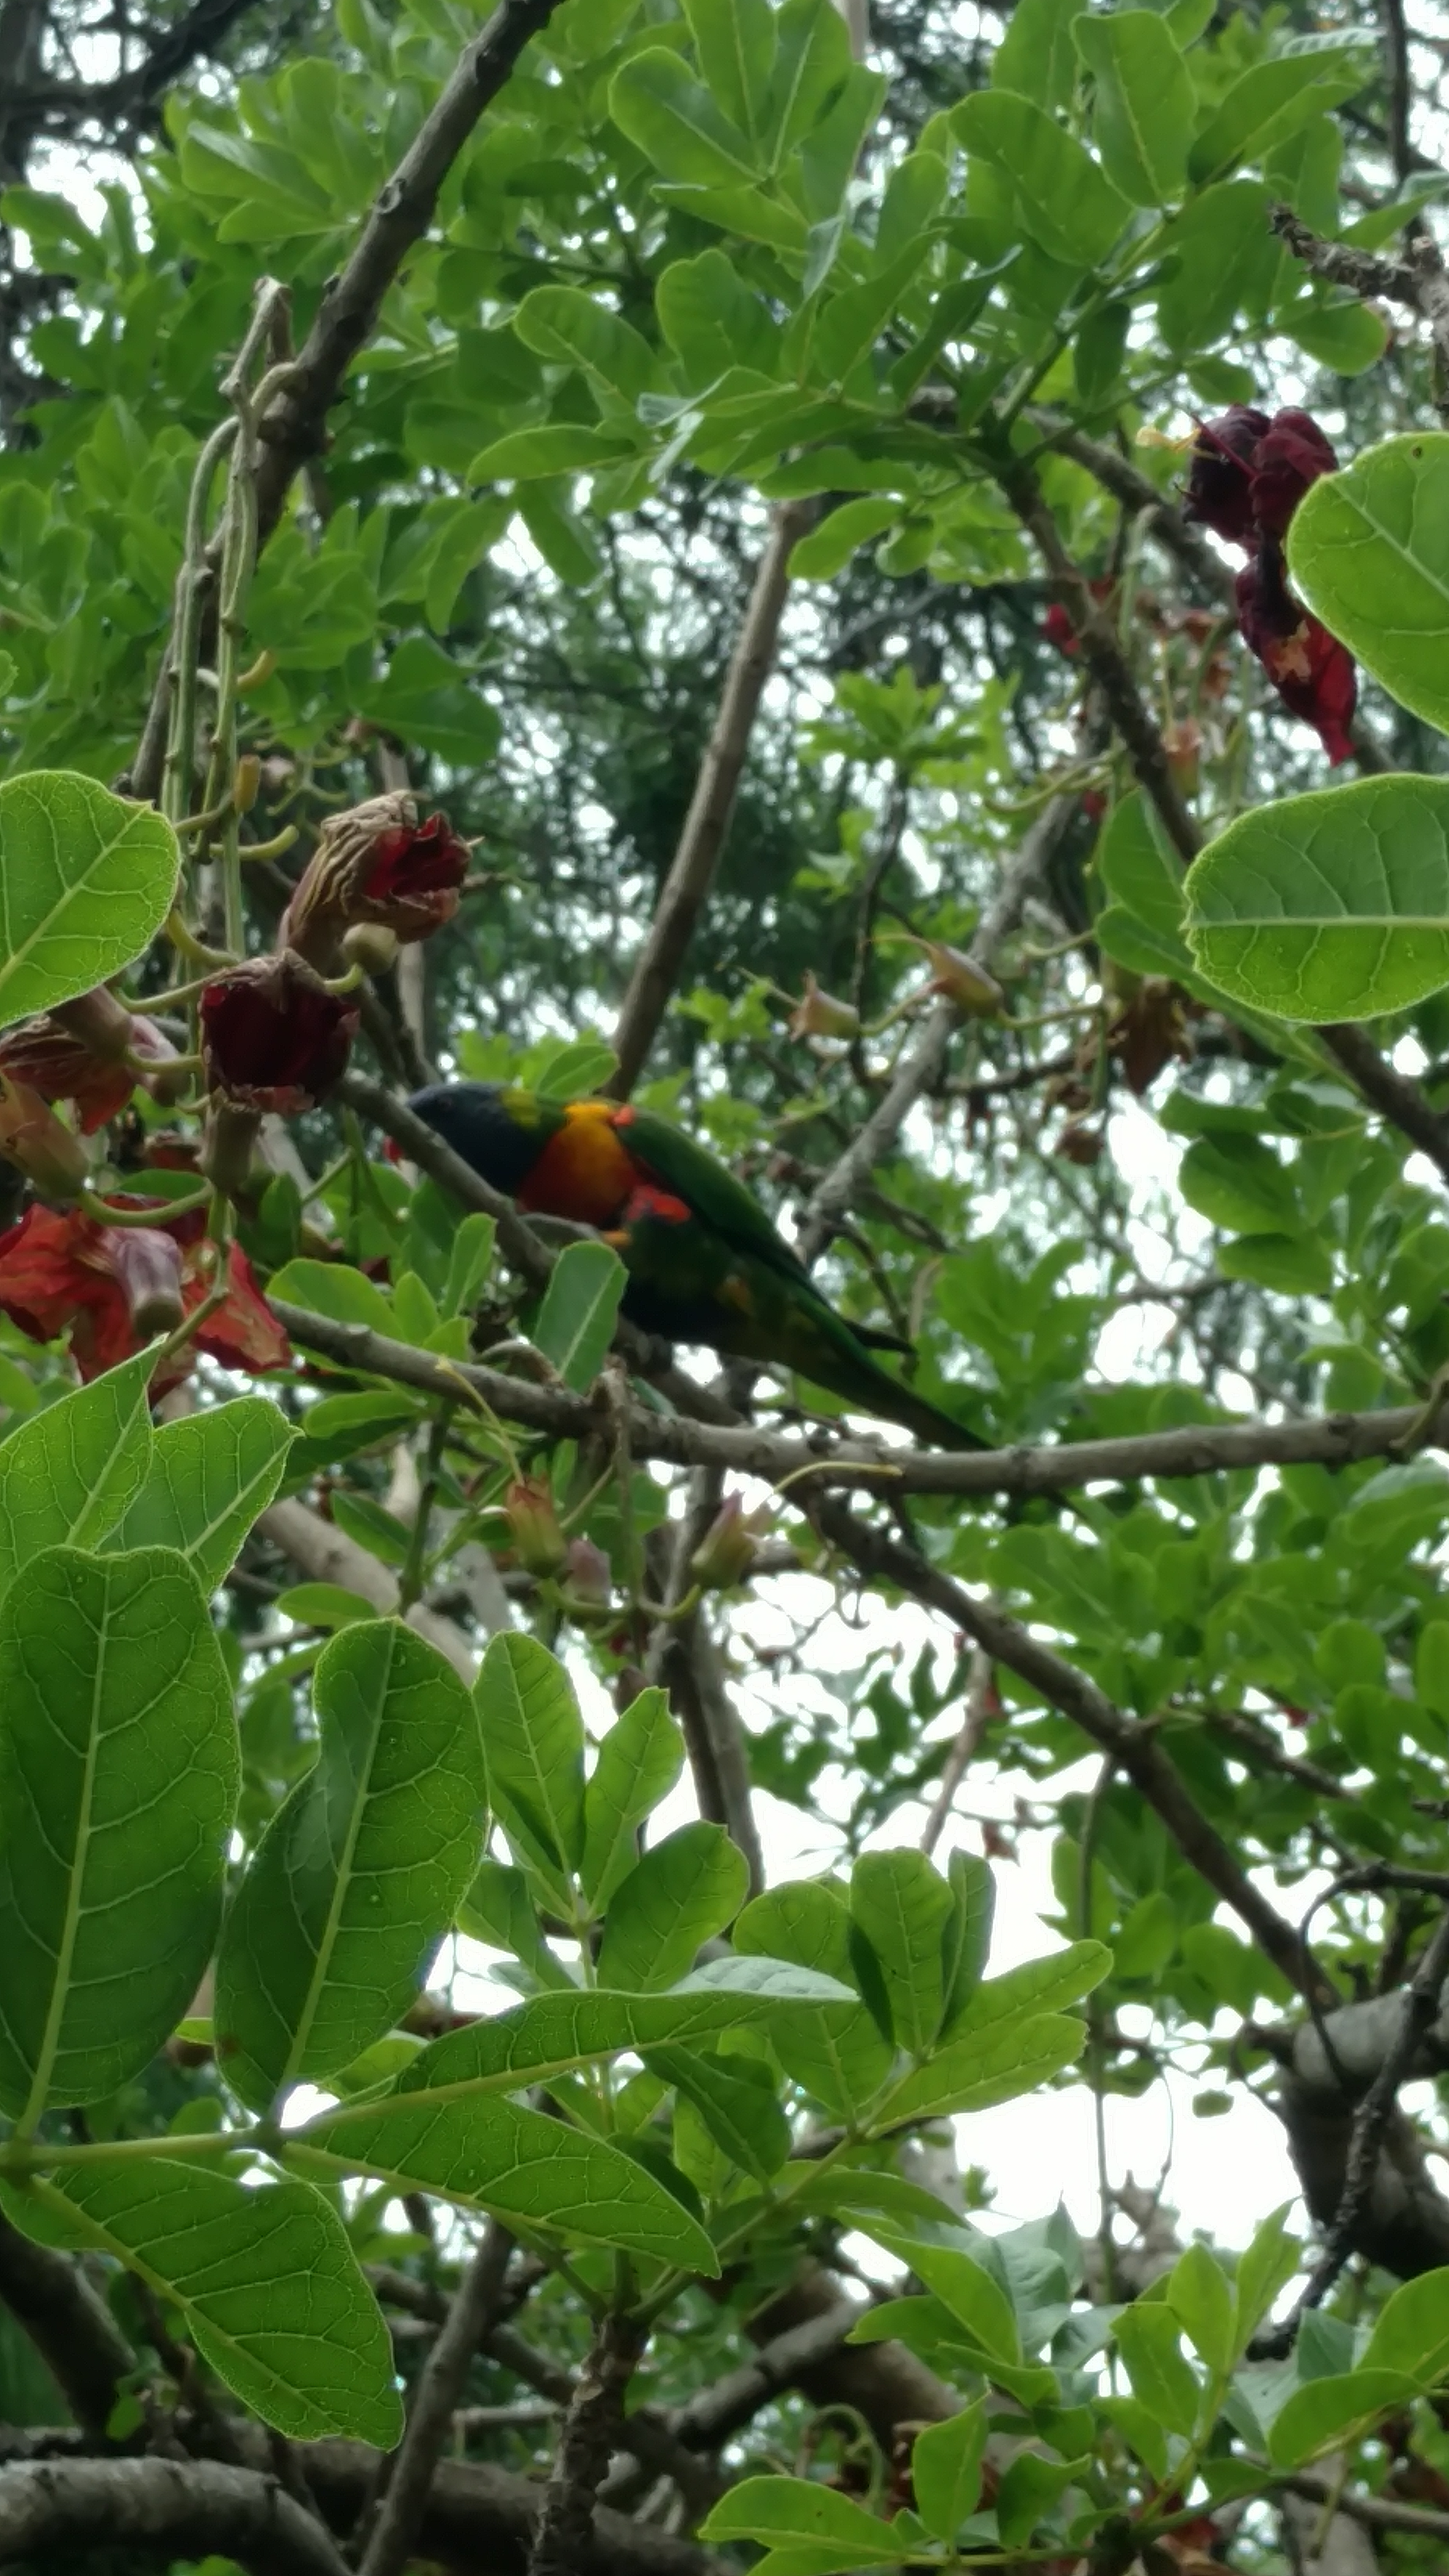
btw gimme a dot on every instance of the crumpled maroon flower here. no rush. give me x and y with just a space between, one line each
376 864
112 1288
1249 473
78 1053
1312 672
272 1036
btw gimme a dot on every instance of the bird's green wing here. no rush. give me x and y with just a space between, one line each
721 1202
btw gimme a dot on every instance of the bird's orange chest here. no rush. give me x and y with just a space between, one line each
583 1172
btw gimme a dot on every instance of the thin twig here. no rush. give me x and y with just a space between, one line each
980 1705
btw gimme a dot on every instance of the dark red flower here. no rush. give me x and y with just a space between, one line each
1312 672
1291 455
1249 473
112 1288
272 1036
1219 487
79 1053
1058 629
378 865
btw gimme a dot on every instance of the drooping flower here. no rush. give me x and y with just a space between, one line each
727 1550
819 1014
113 1288
272 1036
39 1144
1292 454
79 1052
533 1526
375 864
1219 487
1312 672
958 978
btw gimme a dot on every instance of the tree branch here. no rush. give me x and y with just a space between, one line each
1419 280
589 2432
1133 1746
692 870
1194 1449
188 2508
474 2309
325 1554
72 2330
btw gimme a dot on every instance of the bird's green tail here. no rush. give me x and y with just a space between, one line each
835 1359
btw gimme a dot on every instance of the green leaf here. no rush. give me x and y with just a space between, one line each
556 2034
553 447
211 1474
576 1320
1412 2331
1030 2487
780 2508
805 1921
824 552
968 1934
562 323
735 42
900 1906
335 1289
1330 906
1147 2336
1200 2296
87 881
68 1474
1219 256
1143 877
659 104
1330 2414
1272 100
1295 1264
638 1763
1037 1986
1238 1181
1036 56
1368 549
975 2300
526 2169
533 1741
426 699
946 2469
683 1891
1143 115
735 2098
265 2282
361 1870
499 1911
118 1779
1065 201
970 2073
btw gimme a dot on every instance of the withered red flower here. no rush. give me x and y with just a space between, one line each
1249 473
112 1288
376 864
79 1051
1312 672
272 1036
1219 487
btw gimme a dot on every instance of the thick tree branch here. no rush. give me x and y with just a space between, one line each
325 1554
1419 280
475 2307
188 2508
72 2330
1194 1449
1395 1097
685 890
1133 1746
590 2430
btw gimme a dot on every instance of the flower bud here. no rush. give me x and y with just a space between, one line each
1182 743
538 1542
370 945
40 1144
246 783
819 1015
227 1148
959 979
588 1578
146 1262
726 1552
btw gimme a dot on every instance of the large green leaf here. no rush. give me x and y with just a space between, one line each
946 2469
638 1763
527 2170
969 2074
1330 906
1368 549
118 1778
1142 118
1036 56
555 2034
805 2512
1273 99
1066 202
684 1890
659 104
1412 2331
1220 256
360 1872
533 1741
576 1320
68 1474
210 1476
1327 2414
86 880
900 1907
265 2282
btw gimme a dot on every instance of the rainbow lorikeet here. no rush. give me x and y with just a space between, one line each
704 1262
